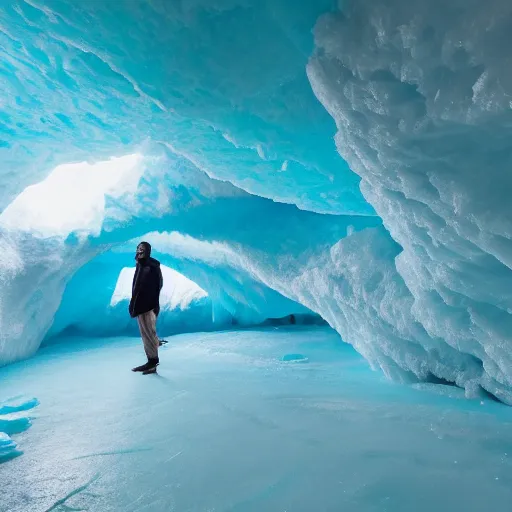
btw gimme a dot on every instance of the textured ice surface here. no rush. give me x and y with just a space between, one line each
7 447
420 95
225 240
227 425
85 81
13 420
223 156
294 358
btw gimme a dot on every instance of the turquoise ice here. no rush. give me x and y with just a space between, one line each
347 161
342 163
228 425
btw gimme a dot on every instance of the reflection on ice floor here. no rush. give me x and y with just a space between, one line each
232 423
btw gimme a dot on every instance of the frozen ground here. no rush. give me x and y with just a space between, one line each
227 425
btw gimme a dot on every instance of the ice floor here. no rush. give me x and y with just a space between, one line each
228 426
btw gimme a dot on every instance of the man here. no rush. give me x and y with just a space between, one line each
145 304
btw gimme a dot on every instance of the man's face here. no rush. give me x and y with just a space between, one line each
140 254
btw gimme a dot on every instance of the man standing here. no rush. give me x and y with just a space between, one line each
145 304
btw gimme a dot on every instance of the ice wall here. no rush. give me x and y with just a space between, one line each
95 302
39 263
173 193
220 82
400 239
420 92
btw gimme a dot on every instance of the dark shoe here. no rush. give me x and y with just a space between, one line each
141 368
151 367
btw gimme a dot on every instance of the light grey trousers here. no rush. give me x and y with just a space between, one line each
147 328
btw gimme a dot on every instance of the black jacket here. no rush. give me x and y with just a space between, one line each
147 283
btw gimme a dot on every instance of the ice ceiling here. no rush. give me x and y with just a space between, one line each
350 160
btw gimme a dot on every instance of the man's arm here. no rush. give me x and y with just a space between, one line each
136 281
135 289
159 281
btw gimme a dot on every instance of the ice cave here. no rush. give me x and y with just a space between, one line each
324 184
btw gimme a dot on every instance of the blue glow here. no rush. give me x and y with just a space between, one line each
361 186
346 161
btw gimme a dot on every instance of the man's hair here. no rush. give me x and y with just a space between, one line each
148 248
